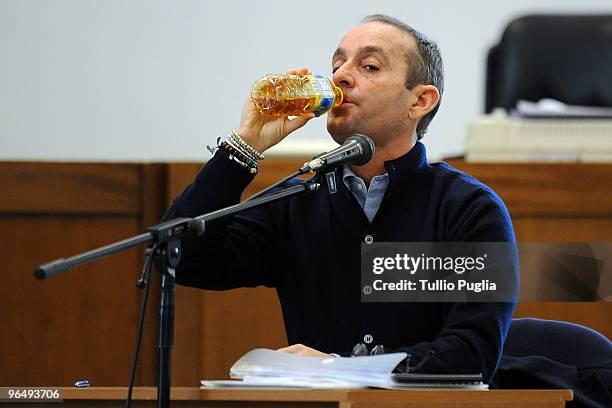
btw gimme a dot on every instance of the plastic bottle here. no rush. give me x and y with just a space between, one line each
294 95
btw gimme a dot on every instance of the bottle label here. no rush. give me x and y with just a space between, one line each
324 94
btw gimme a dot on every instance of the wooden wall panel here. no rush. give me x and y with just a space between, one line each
597 315
555 203
70 188
81 324
238 321
547 190
78 325
563 229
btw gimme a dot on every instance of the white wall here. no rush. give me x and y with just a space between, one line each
159 80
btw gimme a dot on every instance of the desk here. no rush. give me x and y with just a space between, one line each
432 398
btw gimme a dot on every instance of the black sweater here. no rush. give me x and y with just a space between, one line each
308 248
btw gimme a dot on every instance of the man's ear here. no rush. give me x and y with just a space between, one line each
425 98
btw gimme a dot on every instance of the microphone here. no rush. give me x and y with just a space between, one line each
357 149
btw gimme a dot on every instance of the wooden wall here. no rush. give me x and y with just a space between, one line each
82 324
555 203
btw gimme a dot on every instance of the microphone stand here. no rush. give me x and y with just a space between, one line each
166 237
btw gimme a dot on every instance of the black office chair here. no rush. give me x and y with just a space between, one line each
540 354
563 57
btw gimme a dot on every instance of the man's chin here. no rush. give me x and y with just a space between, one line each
339 137
339 129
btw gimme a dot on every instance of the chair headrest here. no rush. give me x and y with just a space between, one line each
564 57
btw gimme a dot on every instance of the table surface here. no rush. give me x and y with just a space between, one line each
433 397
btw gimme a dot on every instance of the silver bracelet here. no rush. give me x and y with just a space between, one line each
240 149
235 136
237 156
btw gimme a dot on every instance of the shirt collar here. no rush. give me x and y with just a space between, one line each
400 170
348 174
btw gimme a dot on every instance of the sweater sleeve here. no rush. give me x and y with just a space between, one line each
472 337
234 251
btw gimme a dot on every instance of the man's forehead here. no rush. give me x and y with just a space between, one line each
374 37
366 49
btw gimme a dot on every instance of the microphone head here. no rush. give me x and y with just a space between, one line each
357 149
366 145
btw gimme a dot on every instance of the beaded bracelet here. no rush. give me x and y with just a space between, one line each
235 136
238 157
233 151
232 143
251 169
240 151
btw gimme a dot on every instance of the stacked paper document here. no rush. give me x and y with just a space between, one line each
268 368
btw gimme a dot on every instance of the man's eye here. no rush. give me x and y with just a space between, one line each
334 70
371 68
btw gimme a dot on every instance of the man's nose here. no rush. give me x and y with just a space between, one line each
343 77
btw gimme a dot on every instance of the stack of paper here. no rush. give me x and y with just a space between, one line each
551 108
268 368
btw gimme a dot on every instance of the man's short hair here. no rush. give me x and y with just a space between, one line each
424 67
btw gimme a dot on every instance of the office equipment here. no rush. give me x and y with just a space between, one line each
501 138
438 380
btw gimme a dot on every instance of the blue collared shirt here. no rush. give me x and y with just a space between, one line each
368 198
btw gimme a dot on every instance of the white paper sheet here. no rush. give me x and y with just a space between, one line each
360 371
554 108
264 368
